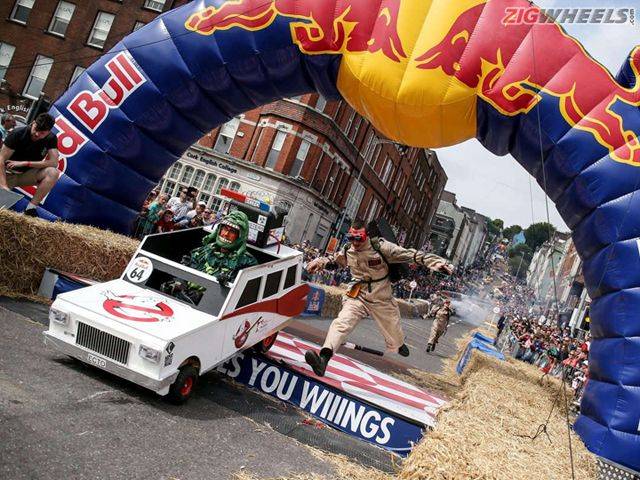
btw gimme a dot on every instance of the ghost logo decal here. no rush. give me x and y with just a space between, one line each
138 309
242 334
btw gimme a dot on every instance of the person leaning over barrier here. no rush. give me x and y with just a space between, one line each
29 156
370 292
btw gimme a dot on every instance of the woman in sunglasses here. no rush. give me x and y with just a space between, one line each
370 293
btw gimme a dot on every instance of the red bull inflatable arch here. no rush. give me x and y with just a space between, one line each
426 73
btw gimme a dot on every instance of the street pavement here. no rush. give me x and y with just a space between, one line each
63 419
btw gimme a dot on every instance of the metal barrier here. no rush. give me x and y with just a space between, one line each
608 470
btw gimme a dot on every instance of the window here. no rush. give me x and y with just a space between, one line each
155 5
187 174
373 207
6 54
199 178
226 135
100 30
138 25
301 156
276 147
222 183
204 198
321 103
61 18
174 172
215 204
354 199
37 77
235 186
388 170
250 293
290 280
356 128
76 73
209 182
169 187
21 10
273 284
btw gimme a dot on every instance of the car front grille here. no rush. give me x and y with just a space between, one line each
103 343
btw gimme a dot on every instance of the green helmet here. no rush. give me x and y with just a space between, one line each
239 221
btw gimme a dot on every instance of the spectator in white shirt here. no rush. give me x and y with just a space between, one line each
180 206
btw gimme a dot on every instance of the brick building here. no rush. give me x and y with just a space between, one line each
323 163
46 44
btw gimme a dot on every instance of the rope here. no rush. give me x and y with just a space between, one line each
543 428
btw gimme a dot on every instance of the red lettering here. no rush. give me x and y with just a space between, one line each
531 16
510 16
112 93
130 69
89 111
70 140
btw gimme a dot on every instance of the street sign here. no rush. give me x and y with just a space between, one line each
413 285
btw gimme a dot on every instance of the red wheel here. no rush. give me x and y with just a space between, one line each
182 388
265 345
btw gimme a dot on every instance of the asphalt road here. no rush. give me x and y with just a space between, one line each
62 419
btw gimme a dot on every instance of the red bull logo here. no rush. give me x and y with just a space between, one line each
317 28
510 68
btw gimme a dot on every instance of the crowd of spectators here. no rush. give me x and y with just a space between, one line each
163 214
535 337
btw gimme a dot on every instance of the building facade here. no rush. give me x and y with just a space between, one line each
321 162
46 44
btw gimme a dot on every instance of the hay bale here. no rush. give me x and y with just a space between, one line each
29 245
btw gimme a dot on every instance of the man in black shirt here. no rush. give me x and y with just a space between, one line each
29 156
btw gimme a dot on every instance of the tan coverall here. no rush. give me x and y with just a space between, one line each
375 297
440 323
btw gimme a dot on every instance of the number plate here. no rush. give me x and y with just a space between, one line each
97 361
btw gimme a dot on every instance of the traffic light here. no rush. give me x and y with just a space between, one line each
41 105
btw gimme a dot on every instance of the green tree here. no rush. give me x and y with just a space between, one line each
521 250
495 226
518 266
538 233
509 232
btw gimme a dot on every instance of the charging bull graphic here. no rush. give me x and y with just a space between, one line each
587 100
428 73
353 26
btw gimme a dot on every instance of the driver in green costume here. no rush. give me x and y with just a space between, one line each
224 253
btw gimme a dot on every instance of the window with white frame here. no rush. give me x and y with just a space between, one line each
215 204
198 179
21 10
322 102
138 25
356 128
354 199
209 182
276 148
168 188
76 73
388 170
155 5
350 122
187 174
226 135
6 54
61 18
174 172
235 186
100 30
222 183
204 198
38 77
373 207
301 156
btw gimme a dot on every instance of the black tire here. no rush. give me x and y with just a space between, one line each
180 391
264 345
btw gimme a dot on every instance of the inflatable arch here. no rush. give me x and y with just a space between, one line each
426 73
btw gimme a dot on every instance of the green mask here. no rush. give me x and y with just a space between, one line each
239 221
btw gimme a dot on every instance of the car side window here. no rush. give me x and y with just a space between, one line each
290 280
250 293
273 284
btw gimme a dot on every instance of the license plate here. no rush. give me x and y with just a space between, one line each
97 361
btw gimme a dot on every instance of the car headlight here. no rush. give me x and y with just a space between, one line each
149 353
58 316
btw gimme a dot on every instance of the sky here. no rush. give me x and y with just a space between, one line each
498 186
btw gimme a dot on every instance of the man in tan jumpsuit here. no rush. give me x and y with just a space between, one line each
440 324
370 292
